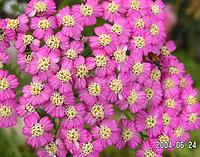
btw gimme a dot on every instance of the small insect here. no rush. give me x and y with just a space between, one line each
154 59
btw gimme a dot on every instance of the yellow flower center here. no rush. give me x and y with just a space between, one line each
105 132
70 112
5 112
40 7
139 23
138 68
73 135
37 130
165 51
191 100
94 89
116 86
13 24
120 55
154 29
163 139
192 117
104 39
51 148
150 122
101 61
169 83
170 103
97 112
53 42
71 54
166 119
44 24
57 99
132 98
113 8
68 21
126 134
36 88
149 93
155 9
155 75
64 75
139 42
179 132
4 84
135 5
87 149
29 58
82 71
117 29
149 153
86 10
43 64
27 39
29 108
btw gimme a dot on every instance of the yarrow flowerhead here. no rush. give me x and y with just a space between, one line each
103 74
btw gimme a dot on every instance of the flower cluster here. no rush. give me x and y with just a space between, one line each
117 85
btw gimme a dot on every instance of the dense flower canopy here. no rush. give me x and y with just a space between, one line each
103 74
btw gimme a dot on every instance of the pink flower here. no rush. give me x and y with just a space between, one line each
96 89
148 149
116 86
89 149
104 65
8 84
154 92
73 136
168 48
104 40
56 147
26 42
24 60
8 116
189 96
37 92
56 41
139 70
185 81
140 43
72 52
157 9
136 6
150 122
120 29
134 98
129 135
37 130
19 24
44 64
170 85
57 102
107 132
112 10
62 80
40 8
74 116
82 68
70 22
89 11
98 111
6 36
24 108
43 26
